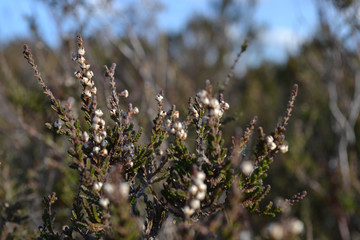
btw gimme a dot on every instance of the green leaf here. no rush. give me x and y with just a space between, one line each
95 214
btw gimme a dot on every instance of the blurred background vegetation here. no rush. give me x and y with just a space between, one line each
323 134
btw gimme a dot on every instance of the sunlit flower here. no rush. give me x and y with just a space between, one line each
104 202
124 93
188 211
81 51
109 188
159 98
124 189
247 167
284 148
193 189
97 186
195 204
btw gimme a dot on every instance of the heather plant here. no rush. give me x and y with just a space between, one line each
185 182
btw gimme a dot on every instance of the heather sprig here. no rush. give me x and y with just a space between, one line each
123 180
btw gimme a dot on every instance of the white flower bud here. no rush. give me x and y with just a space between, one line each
99 113
201 176
95 126
216 113
168 123
176 114
177 126
162 113
104 143
77 74
85 81
104 202
201 195
188 211
93 90
96 149
87 93
85 136
172 131
124 189
97 186
193 189
102 122
96 119
202 186
135 110
214 103
284 148
194 112
131 163
183 136
202 94
247 167
195 204
125 93
104 152
103 134
112 112
271 145
98 138
89 83
159 98
274 231
89 74
295 226
226 106
80 60
81 51
109 188
269 139
205 101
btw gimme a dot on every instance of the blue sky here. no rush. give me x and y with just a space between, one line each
288 22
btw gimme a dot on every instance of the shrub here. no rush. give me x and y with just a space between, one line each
183 183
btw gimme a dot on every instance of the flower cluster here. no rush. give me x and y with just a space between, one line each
84 75
172 124
98 127
272 145
197 193
216 107
128 150
178 129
